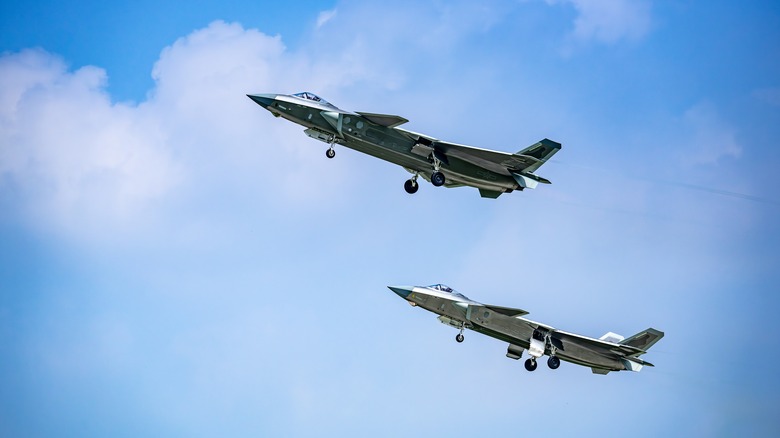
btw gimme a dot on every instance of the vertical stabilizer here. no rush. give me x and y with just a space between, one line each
644 339
539 152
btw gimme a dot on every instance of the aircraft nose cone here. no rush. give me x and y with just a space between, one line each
402 291
262 99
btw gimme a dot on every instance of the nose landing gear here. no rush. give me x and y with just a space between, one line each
460 336
330 153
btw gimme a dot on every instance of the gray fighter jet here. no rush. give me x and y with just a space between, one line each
611 352
441 163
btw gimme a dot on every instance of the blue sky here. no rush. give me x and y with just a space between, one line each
175 261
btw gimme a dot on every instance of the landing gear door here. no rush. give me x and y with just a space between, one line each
536 347
422 150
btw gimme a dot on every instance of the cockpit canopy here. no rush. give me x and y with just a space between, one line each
441 287
313 97
447 289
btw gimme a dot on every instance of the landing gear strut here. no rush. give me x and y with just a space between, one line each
411 185
460 336
437 178
330 153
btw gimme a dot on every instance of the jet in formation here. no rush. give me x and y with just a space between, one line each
440 162
611 352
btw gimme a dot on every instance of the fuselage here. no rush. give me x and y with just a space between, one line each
459 311
325 122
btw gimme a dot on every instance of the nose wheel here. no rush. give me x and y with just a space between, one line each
460 336
330 153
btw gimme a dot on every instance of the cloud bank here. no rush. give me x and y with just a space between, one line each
70 151
75 160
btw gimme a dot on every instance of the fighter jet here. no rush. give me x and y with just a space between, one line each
440 162
610 352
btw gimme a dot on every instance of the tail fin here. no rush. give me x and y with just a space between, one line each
644 339
539 152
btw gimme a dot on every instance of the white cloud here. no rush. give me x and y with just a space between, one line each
609 21
324 17
77 161
67 147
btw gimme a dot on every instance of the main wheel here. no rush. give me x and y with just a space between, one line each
411 186
437 179
553 362
530 364
460 337
330 153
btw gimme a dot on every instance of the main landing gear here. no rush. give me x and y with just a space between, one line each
437 179
460 336
540 342
553 362
411 185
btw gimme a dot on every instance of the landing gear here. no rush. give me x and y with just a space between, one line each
437 179
330 153
459 337
411 186
530 364
553 362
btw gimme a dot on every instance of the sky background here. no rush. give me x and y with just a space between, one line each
174 261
